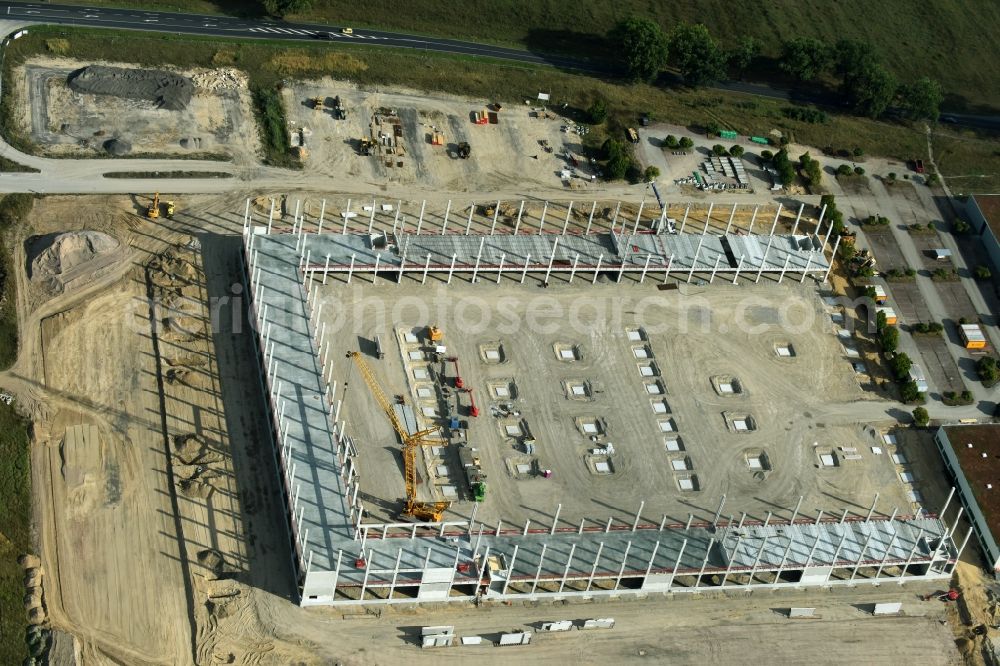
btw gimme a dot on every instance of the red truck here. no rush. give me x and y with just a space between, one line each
918 166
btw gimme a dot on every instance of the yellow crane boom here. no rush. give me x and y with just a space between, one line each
425 511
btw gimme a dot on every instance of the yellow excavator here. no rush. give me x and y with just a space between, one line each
412 509
153 211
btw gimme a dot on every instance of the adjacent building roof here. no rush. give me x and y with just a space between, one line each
977 448
989 205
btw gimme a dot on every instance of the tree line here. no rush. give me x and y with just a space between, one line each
864 82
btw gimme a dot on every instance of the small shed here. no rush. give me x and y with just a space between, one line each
941 253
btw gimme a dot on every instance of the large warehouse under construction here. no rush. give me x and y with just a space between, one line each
588 467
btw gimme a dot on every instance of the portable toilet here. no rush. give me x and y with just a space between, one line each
972 336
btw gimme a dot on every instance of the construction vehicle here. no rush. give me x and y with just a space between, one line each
459 382
153 211
412 508
435 334
469 458
464 150
632 135
339 112
318 103
366 146
473 407
170 209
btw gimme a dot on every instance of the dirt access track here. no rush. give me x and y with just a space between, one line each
65 123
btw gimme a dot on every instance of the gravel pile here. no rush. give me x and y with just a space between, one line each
167 90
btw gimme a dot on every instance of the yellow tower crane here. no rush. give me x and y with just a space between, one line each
421 511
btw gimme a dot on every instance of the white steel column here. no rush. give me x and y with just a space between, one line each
593 570
524 273
513 559
752 219
569 560
784 268
590 220
670 263
738 269
717 260
326 269
420 220
517 224
695 261
475 271
732 213
774 225
763 262
572 271
833 254
378 258
541 221
644 268
496 213
427 265
347 216
468 223
322 212
798 217
708 218
569 211
538 571
270 217
805 272
685 219
350 271
597 269
503 255
552 259
638 217
447 213
704 562
452 269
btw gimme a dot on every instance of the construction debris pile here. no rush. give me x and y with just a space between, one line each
386 137
70 254
195 465
169 91
214 80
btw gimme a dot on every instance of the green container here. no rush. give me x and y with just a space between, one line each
760 139
728 134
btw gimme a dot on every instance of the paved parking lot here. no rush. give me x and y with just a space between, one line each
940 367
908 303
885 248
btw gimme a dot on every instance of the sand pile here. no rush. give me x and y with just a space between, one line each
169 91
71 254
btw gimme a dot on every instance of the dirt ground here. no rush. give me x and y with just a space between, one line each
506 154
691 337
163 548
65 123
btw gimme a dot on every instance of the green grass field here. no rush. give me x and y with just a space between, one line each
953 41
15 536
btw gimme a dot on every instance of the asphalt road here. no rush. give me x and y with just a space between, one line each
229 27
224 26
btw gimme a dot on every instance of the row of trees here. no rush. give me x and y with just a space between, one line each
646 50
864 81
867 85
